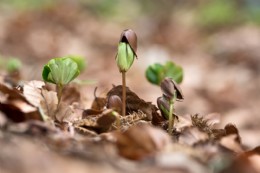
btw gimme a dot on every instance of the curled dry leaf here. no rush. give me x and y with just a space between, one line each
46 101
133 102
32 92
15 106
99 102
231 143
70 95
191 136
148 142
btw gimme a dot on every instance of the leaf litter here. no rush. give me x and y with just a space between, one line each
100 133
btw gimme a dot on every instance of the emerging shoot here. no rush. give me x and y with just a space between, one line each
60 71
171 93
126 54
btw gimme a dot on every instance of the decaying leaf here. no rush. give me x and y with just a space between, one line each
231 143
148 142
48 103
3 120
191 136
133 102
70 95
15 106
32 92
99 102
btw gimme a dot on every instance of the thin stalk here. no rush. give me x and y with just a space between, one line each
59 89
171 115
123 94
171 118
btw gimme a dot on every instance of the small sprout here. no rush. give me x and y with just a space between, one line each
164 106
155 73
127 48
60 71
13 65
170 88
126 54
171 92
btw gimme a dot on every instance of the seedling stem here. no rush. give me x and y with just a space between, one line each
123 94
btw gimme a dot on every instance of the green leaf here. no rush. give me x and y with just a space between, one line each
60 71
173 71
13 64
81 62
125 57
155 73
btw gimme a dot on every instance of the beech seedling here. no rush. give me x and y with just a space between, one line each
155 73
126 54
60 71
171 92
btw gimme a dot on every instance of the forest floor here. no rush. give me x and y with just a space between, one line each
218 127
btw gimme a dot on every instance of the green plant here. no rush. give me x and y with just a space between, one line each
171 92
126 54
60 71
13 65
155 73
81 62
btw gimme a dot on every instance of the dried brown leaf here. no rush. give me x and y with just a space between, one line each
106 120
70 94
231 143
3 120
141 141
191 136
48 103
133 102
32 92
99 102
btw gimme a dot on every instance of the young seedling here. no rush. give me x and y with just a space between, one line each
155 73
126 54
60 71
171 93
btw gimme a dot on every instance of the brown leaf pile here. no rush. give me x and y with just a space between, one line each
196 145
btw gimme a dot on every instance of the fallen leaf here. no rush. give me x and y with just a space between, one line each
48 103
133 102
192 135
148 142
32 92
70 94
231 143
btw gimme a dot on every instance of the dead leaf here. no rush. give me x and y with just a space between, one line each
231 143
99 102
3 120
48 103
32 92
148 142
39 97
192 135
70 94
15 106
133 102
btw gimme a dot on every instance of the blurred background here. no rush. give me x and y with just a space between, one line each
217 42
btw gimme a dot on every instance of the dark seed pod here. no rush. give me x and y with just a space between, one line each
129 36
169 87
164 106
114 102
